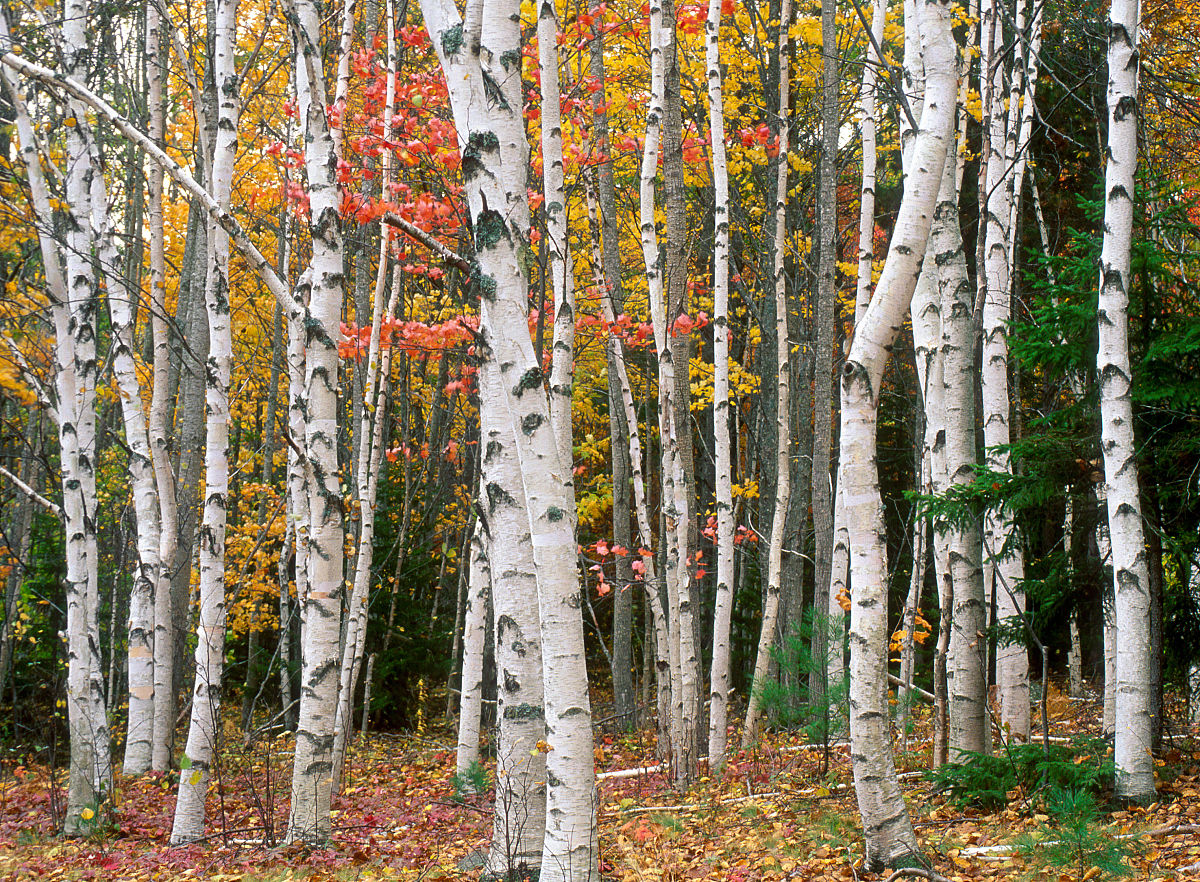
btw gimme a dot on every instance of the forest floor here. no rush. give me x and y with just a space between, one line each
777 813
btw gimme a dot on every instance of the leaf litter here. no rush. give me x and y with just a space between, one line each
772 815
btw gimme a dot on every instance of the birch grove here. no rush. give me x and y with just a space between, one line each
555 301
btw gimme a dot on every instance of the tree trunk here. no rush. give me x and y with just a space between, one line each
782 415
479 585
826 236
1131 577
202 748
890 840
962 541
472 54
1004 567
158 423
309 820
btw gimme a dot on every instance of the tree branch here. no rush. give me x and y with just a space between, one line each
179 175
32 494
448 255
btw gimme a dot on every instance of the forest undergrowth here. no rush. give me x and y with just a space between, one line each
784 810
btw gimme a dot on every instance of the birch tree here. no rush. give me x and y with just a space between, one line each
1131 578
204 725
766 639
682 653
890 840
473 52
1004 567
90 773
718 716
164 475
313 765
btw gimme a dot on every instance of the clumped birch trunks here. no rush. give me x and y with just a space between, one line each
312 775
890 840
472 53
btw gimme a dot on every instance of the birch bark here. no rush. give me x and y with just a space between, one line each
204 726
158 424
486 99
89 776
890 840
312 774
766 639
370 446
684 688
479 585
1134 761
718 718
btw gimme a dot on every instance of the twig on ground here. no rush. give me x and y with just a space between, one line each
916 872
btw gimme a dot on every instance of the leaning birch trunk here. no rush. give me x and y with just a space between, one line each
723 467
962 541
647 577
88 784
494 175
684 688
122 308
370 447
1075 650
783 427
969 728
312 780
558 265
479 586
164 649
1134 761
204 726
890 840
839 585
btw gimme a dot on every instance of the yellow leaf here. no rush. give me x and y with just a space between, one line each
87 814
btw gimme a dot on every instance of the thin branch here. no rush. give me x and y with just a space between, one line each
32 494
448 255
179 175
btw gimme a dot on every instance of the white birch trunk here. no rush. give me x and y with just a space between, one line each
148 575
312 778
866 215
559 265
1134 761
890 840
200 753
479 586
645 530
783 425
89 781
494 173
370 450
1004 568
962 541
159 431
682 653
91 776
1108 723
839 582
718 717
519 824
